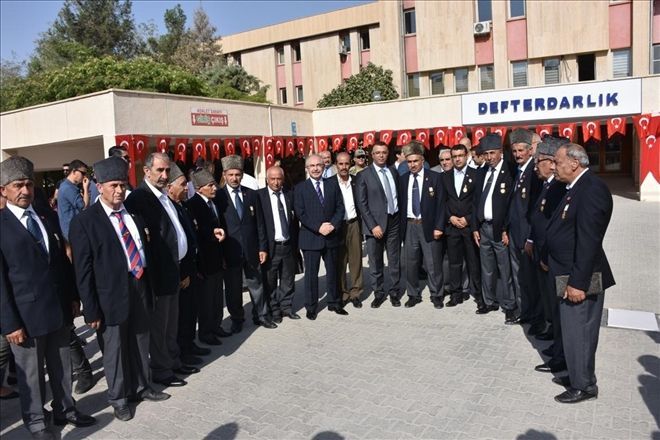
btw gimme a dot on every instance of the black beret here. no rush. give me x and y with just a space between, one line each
520 135
111 169
492 141
549 145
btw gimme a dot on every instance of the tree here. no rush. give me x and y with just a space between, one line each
164 47
199 49
359 88
231 81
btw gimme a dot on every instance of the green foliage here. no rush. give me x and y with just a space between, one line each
164 47
199 48
359 88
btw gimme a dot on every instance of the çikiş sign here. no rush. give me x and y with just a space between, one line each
592 100
208 116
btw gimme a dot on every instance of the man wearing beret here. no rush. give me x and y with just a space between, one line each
246 246
209 232
490 229
37 301
577 261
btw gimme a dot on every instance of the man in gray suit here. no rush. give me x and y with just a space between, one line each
377 201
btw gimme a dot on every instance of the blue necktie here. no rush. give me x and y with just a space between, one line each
416 208
283 221
319 192
34 229
239 203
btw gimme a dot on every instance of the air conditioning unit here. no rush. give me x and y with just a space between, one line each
342 49
482 28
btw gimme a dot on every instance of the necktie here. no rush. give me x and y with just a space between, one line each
416 209
318 191
34 229
283 222
518 176
239 203
484 195
212 208
136 267
388 192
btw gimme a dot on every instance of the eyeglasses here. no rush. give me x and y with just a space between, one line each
84 173
538 161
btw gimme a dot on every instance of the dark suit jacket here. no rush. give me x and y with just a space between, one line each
460 205
164 247
247 237
370 199
523 198
576 230
101 269
210 258
540 214
36 290
269 221
432 205
187 266
503 187
312 214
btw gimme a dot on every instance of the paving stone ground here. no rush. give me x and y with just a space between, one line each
408 373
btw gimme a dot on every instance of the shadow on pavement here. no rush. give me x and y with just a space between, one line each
328 435
649 383
533 434
228 431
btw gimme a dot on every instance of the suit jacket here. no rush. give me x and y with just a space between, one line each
523 198
245 237
100 262
540 214
188 265
36 290
432 205
503 187
312 214
210 259
461 204
164 242
370 199
576 230
269 221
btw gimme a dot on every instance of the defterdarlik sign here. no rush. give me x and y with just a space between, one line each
580 100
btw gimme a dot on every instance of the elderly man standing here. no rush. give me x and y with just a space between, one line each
446 164
170 245
36 301
329 169
579 267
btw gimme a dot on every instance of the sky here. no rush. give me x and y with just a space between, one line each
23 21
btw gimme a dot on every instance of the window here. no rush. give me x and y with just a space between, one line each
237 58
551 70
437 83
519 73
586 67
413 85
280 54
346 42
621 63
461 80
295 52
299 95
409 21
484 10
282 96
487 77
656 58
365 44
516 8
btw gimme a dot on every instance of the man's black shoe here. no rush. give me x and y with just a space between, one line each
189 359
292 315
396 302
123 413
211 340
575 396
357 303
75 418
437 302
171 381
454 301
564 381
153 396
221 333
84 383
186 370
511 317
550 368
311 315
267 324
277 319
377 302
338 310
236 327
412 302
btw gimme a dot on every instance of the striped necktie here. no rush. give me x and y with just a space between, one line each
137 268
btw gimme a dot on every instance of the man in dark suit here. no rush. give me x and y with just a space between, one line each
526 189
459 186
245 248
377 202
111 256
422 224
489 229
575 249
209 233
350 249
282 229
319 206
170 246
37 301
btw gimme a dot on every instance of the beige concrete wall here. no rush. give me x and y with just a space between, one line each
387 44
501 63
641 37
51 157
566 27
321 69
261 63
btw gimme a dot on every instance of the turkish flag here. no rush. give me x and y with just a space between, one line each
477 134
403 137
309 145
181 145
199 149
246 147
141 144
353 142
499 130
439 136
369 138
422 135
459 133
616 125
162 144
279 147
300 143
337 141
642 123
590 129
256 146
124 140
290 147
230 147
544 130
322 143
385 136
269 151
215 148
568 130
650 157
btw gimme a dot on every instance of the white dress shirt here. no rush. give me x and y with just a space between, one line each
181 239
132 228
22 217
572 184
321 186
459 177
279 235
390 179
347 194
233 195
488 207
420 184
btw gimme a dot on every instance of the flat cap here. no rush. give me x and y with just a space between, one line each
520 135
549 145
175 172
413 148
492 141
232 162
202 178
110 169
15 168
359 153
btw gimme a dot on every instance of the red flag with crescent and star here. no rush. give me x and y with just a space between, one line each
499 130
459 133
199 149
477 134
590 129
322 143
422 135
337 141
439 136
269 151
353 142
369 138
279 147
300 144
642 123
544 130
181 146
568 130
290 147
385 136
214 145
403 137
616 125
162 144
141 144
309 145
246 147
230 146
256 146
